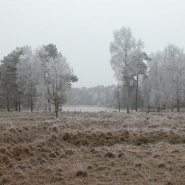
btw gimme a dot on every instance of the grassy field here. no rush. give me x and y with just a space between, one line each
92 148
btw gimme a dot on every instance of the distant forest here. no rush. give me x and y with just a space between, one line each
108 96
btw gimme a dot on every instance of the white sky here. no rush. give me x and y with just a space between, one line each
83 29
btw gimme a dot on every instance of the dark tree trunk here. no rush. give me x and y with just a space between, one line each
19 102
16 106
178 108
172 108
56 110
31 104
8 104
158 109
118 99
127 96
128 110
136 92
49 105
19 105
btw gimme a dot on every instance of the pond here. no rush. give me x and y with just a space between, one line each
81 108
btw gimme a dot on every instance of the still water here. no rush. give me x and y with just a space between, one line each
81 108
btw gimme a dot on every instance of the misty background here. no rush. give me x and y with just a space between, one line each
83 29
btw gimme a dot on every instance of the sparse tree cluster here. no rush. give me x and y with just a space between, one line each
41 76
162 73
166 78
127 60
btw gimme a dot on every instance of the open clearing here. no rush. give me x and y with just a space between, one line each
92 148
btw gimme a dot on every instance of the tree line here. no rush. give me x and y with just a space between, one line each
43 78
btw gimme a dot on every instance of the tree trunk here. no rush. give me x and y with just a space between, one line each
172 108
178 108
118 99
8 104
56 109
16 106
136 92
158 109
31 104
19 104
128 101
49 105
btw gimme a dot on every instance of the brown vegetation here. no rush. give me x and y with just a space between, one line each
92 148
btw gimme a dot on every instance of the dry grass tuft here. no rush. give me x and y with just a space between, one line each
110 155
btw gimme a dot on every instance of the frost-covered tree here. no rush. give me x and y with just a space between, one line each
139 68
58 76
95 99
51 50
27 75
116 94
42 57
9 91
156 80
174 59
124 51
145 92
103 98
43 74
75 100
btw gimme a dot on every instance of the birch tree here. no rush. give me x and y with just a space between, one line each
27 75
124 50
175 74
156 80
58 77
139 68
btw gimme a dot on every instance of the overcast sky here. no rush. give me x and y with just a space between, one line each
83 29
